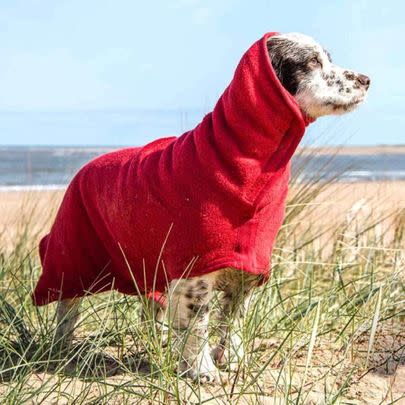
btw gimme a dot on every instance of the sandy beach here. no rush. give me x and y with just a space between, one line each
332 205
340 196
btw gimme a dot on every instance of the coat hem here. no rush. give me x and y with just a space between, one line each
216 265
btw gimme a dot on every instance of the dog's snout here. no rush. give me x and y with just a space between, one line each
363 80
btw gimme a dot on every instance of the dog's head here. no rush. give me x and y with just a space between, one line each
306 70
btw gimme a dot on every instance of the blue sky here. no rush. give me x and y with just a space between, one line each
125 72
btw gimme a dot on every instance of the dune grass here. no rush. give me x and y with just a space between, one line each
328 328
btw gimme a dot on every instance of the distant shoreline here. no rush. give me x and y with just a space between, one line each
321 150
353 150
47 168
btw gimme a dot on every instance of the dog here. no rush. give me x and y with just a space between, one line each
319 87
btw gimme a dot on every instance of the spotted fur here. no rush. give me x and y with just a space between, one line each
306 70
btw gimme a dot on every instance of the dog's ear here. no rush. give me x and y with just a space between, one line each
285 68
274 48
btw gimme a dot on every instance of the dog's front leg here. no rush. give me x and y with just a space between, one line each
188 310
233 307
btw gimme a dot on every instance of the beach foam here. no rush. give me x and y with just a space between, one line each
33 187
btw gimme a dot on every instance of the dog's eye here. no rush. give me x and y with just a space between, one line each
314 62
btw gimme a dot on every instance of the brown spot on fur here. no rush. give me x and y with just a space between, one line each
349 75
228 295
201 296
203 285
190 294
198 310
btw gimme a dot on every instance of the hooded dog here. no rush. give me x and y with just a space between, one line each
183 208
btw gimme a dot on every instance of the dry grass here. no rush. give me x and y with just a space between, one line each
328 327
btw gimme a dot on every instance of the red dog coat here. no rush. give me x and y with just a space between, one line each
135 219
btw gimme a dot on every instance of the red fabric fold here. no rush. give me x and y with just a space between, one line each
135 219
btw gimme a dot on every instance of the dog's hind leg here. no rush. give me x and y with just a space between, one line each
188 311
67 316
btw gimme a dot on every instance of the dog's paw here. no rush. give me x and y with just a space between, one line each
203 374
208 377
225 359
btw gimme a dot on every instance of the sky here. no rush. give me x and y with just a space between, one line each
124 72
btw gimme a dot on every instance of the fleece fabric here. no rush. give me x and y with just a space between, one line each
137 218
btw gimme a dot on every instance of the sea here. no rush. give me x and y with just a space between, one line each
37 168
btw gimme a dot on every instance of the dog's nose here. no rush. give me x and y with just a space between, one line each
363 80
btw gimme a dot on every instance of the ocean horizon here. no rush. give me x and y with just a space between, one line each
52 167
